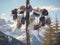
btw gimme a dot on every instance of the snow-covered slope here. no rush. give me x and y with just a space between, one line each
20 34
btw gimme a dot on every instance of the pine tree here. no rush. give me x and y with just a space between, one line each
55 33
47 40
51 36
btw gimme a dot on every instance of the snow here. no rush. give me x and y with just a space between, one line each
20 34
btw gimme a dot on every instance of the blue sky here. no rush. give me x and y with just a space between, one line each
53 6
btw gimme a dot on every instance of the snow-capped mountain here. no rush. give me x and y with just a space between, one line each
20 34
9 40
2 22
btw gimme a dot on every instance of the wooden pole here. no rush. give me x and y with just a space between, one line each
27 23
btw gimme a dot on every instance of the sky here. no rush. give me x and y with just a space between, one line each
53 7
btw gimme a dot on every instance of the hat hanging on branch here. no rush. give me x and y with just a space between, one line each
45 12
42 20
36 12
14 13
48 21
21 9
36 26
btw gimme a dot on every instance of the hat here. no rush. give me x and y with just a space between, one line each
45 12
22 8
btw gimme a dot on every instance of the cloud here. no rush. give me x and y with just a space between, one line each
3 16
2 22
50 8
